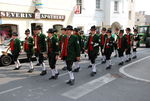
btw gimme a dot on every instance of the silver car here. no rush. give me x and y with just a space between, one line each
6 59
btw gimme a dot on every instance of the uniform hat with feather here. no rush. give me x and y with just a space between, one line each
93 28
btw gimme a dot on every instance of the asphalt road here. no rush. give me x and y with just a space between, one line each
127 83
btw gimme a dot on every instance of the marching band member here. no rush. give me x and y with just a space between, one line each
103 37
92 47
28 48
108 49
15 47
53 52
129 37
122 46
72 52
40 47
136 39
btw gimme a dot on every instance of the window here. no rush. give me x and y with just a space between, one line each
116 6
132 1
138 19
130 15
98 4
78 7
79 2
6 31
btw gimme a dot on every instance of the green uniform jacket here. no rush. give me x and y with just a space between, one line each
124 43
30 44
17 46
110 44
80 41
131 39
42 43
54 46
73 49
95 44
105 36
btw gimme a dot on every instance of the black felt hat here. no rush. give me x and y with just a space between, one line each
69 27
93 28
38 27
50 30
14 34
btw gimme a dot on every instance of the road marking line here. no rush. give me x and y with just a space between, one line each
84 89
122 70
10 90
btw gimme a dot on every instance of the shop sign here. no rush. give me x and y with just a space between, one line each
6 14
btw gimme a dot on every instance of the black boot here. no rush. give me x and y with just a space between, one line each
64 68
16 68
134 57
129 59
71 82
30 70
76 70
93 74
115 55
38 64
103 62
43 73
90 66
121 63
109 67
53 78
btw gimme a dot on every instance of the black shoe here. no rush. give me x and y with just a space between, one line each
71 82
64 68
90 66
16 68
53 78
103 62
115 55
76 70
129 59
30 70
93 74
43 73
134 57
57 74
121 63
68 82
38 64
109 67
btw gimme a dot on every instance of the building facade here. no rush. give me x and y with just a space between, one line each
26 14
142 19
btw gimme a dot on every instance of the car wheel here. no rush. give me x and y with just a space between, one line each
6 60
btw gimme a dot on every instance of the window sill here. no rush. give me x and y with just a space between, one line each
99 9
116 12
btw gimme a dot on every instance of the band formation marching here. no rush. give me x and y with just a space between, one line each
71 44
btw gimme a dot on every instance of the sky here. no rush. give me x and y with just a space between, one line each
142 5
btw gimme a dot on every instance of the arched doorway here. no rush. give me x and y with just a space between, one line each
115 25
6 31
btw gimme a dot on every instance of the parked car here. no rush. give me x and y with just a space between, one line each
6 59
